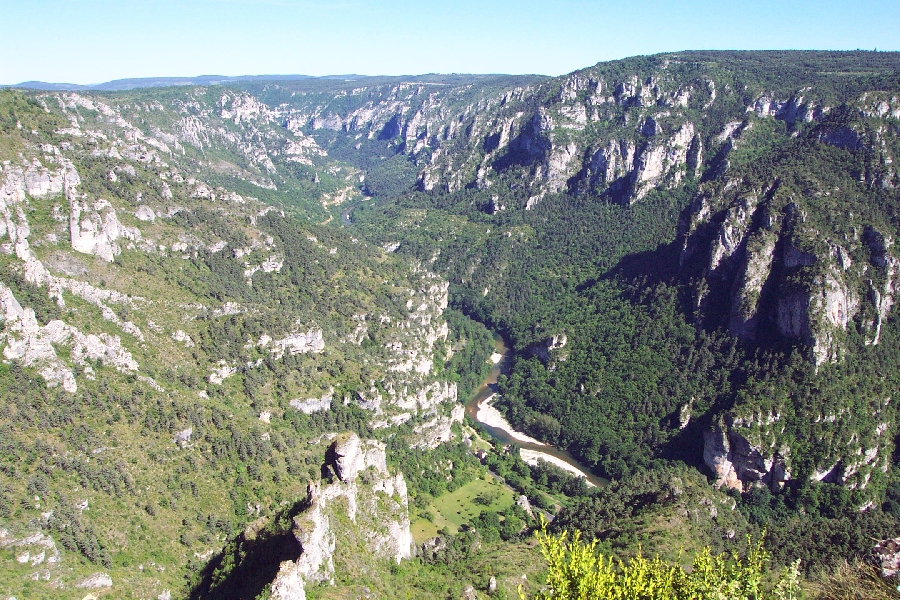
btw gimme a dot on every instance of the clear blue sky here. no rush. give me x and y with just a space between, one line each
78 41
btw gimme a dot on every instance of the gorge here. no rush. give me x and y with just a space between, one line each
205 290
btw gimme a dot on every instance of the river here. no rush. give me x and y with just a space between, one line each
346 217
530 449
502 431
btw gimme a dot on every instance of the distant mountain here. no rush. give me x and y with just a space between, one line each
121 85
118 85
692 257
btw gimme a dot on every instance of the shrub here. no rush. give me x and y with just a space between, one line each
578 572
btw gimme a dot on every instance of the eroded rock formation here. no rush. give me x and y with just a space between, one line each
361 505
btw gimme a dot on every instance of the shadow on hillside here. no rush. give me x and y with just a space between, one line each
250 561
642 269
639 273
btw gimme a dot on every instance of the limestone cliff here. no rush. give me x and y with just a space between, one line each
747 447
101 217
766 267
360 513
738 464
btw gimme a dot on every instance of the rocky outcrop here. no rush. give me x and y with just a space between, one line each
550 349
33 547
312 405
813 316
95 581
610 166
748 286
666 161
242 107
363 507
738 464
95 229
438 430
33 344
764 266
556 170
93 226
348 456
887 553
298 343
751 449
792 110
26 339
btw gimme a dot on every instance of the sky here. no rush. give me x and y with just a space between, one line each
83 42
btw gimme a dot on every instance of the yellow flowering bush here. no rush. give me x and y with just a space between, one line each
577 571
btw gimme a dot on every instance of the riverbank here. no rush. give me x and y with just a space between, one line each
488 415
480 409
532 457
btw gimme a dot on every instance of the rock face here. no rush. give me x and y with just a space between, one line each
764 270
33 344
348 456
887 553
548 143
289 583
748 286
95 229
311 405
364 506
667 160
750 450
100 228
765 267
438 430
410 387
551 349
737 464
299 343
96 581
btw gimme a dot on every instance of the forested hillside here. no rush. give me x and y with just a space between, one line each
178 356
206 289
691 254
752 251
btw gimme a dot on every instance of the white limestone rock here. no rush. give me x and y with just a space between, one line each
300 343
95 229
556 171
33 344
438 430
610 163
668 160
738 464
184 338
813 316
145 213
95 582
289 583
312 405
749 284
349 455
352 511
221 372
40 182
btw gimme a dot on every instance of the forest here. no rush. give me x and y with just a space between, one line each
690 255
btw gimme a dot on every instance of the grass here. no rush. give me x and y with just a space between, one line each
456 508
511 563
858 581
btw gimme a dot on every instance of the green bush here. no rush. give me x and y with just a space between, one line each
577 571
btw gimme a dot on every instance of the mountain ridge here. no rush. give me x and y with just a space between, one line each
692 255
119 85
